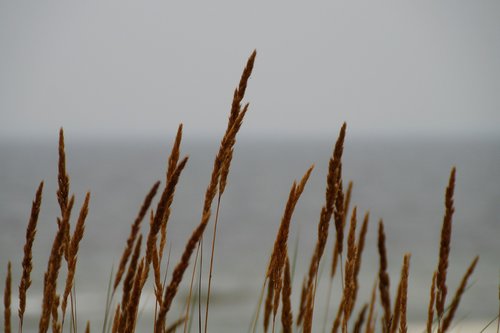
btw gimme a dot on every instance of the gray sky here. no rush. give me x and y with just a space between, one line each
138 68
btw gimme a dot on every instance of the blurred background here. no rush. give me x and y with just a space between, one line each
416 82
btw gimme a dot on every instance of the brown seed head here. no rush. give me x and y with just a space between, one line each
28 249
430 309
458 295
7 299
444 249
385 297
134 231
73 252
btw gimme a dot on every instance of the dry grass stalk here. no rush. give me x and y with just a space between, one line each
173 160
162 212
190 293
350 266
286 312
358 325
268 306
157 276
73 252
128 285
239 94
280 249
403 327
63 190
339 216
56 326
338 318
171 290
178 273
347 199
341 206
332 191
134 231
370 320
340 219
7 299
308 316
62 176
236 111
359 252
397 308
27 263
303 300
116 320
444 248
135 298
361 244
456 299
50 279
173 327
385 298
430 310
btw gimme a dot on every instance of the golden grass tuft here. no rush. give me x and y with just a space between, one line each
225 146
134 264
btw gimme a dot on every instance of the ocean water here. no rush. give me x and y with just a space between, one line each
402 181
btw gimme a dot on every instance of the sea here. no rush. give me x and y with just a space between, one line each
400 180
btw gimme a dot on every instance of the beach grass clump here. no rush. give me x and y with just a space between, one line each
143 251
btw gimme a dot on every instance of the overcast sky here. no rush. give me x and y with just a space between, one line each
138 68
